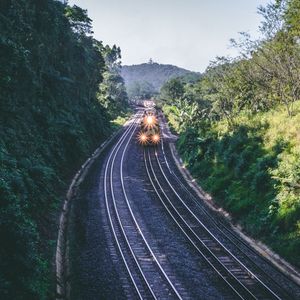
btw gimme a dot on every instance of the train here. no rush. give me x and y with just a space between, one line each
149 133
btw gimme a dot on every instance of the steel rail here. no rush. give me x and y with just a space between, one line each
139 229
110 165
213 236
178 224
117 213
234 236
118 145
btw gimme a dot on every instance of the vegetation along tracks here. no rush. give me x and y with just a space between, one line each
145 271
237 276
258 263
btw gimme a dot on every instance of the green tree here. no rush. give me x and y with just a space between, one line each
50 122
141 90
112 94
79 20
172 91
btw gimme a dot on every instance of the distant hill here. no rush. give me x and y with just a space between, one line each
146 79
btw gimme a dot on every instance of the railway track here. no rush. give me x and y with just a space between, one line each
146 274
287 288
241 280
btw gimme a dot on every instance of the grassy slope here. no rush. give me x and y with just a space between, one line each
253 171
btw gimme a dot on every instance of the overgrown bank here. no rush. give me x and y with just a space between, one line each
252 170
239 128
56 102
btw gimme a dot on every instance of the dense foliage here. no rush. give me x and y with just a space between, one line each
112 93
51 119
145 80
239 129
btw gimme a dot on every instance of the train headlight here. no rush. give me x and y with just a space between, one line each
150 120
155 138
142 138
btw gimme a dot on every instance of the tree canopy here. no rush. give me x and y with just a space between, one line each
54 76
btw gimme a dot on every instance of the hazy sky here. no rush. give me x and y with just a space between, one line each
186 33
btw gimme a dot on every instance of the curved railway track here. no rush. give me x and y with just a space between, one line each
146 273
242 281
238 266
258 264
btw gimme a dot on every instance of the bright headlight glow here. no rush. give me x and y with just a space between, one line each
142 138
150 120
155 138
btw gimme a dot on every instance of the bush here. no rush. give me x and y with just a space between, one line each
253 170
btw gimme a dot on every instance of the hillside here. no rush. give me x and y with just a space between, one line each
53 116
252 170
239 132
148 78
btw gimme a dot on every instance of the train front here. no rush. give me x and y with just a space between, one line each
149 133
